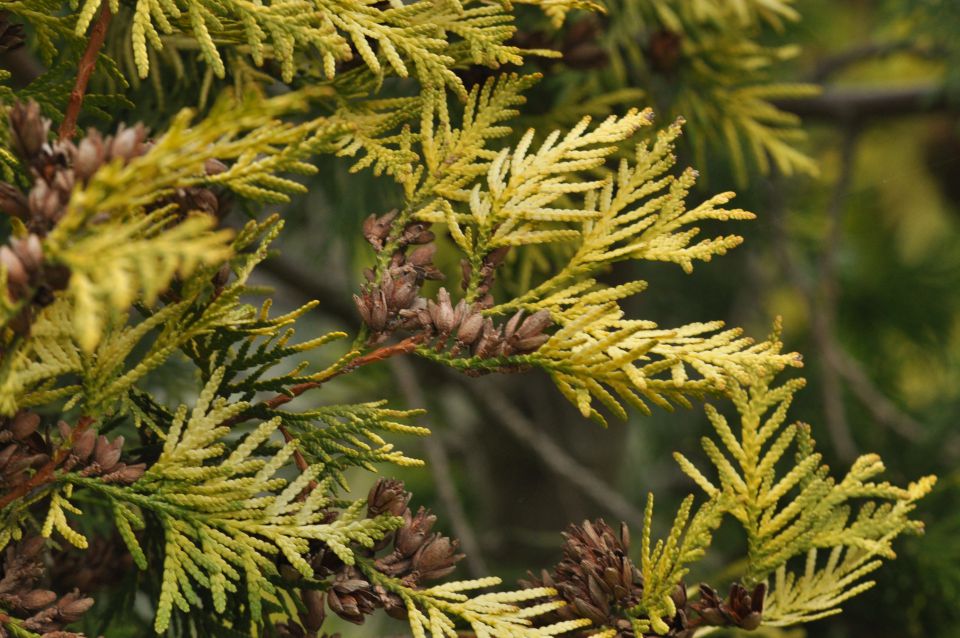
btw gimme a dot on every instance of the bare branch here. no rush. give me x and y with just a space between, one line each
866 51
87 64
491 400
857 104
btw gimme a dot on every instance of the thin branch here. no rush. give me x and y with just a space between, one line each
882 409
301 462
838 199
841 364
866 51
439 462
406 346
492 401
823 303
87 64
857 104
831 389
837 366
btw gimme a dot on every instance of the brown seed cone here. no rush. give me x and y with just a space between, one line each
387 496
598 581
351 597
418 555
19 427
415 530
37 609
13 202
29 130
436 558
742 608
314 613
93 455
377 229
23 260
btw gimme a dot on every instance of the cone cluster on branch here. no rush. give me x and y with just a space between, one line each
90 455
28 606
394 303
54 168
415 555
599 582
93 455
742 608
23 452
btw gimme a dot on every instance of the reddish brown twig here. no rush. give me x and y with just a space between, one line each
297 456
87 64
45 474
403 347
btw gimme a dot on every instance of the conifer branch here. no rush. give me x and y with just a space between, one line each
122 271
406 346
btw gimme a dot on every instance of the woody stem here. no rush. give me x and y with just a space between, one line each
87 64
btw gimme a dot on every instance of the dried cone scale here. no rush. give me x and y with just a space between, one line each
393 303
599 582
36 609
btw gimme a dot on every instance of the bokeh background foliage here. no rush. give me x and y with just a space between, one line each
856 246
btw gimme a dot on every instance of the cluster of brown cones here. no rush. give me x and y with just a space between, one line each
24 451
54 168
413 554
36 609
394 303
92 455
599 582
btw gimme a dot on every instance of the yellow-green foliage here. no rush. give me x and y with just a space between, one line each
243 482
226 516
410 38
772 481
557 10
664 563
560 191
788 509
433 611
703 60
134 259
